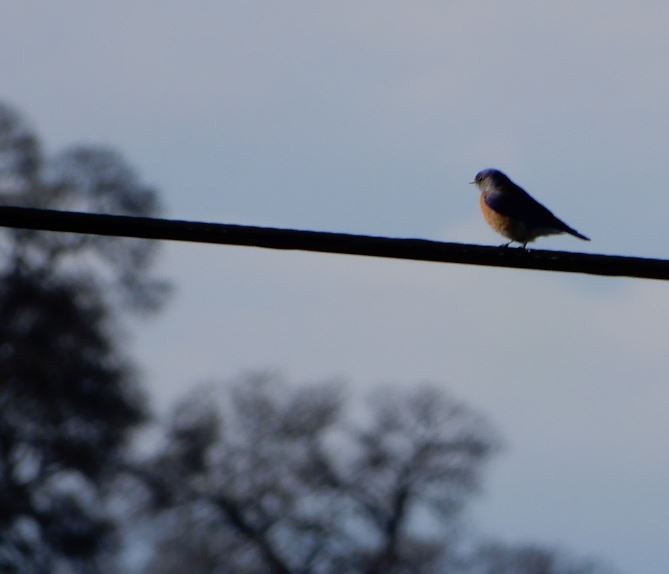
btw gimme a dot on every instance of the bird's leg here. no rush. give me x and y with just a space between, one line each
506 244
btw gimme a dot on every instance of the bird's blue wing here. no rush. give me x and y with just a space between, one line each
518 204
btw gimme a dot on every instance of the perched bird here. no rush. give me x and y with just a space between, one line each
514 213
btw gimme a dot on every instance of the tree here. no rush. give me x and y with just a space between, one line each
68 394
275 478
259 475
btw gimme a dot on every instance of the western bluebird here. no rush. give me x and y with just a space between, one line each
514 213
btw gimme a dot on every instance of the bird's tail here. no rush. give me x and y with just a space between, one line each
575 233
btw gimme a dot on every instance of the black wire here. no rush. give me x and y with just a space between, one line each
325 242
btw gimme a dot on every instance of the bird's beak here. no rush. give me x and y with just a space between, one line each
472 182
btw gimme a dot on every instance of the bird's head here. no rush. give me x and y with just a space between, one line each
490 178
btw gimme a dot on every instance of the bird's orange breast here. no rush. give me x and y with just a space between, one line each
501 223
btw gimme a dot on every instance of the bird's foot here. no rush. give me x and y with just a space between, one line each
521 245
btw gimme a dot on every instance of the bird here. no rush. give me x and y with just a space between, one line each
514 213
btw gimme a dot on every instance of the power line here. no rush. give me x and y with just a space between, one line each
326 242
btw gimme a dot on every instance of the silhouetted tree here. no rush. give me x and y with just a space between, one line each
262 476
68 395
275 478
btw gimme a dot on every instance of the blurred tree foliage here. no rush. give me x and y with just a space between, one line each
279 478
262 476
68 396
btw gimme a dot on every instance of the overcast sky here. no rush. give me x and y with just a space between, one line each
371 117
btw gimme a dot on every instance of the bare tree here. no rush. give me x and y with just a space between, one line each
280 478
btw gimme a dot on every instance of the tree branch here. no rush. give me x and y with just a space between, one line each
252 534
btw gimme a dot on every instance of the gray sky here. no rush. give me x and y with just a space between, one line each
371 117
